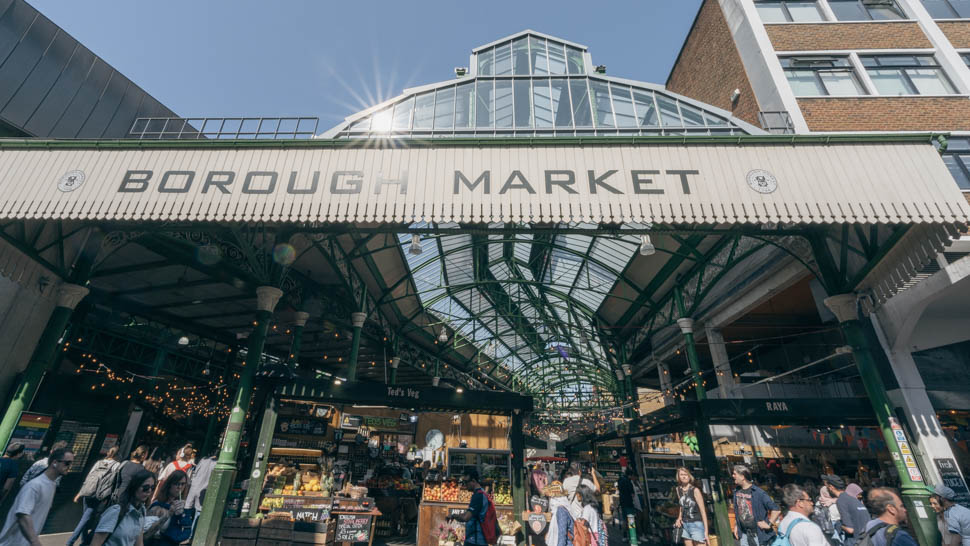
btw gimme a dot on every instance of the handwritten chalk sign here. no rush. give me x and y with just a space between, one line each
311 514
353 528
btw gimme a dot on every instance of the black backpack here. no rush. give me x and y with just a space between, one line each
891 530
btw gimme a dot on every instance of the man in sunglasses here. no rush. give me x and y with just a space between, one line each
26 517
800 530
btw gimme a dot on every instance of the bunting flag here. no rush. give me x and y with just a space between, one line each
838 434
852 430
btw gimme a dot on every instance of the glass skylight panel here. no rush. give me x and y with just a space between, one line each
523 103
444 109
537 50
402 115
557 58
465 106
580 99
486 62
520 56
574 59
626 117
503 59
542 103
503 104
485 104
381 121
692 116
362 124
601 98
668 112
562 111
646 108
424 111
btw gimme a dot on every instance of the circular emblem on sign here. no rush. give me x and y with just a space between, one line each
71 181
762 181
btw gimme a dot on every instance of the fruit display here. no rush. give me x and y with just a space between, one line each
446 492
502 493
387 482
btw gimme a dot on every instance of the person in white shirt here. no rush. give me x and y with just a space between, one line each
591 513
29 512
800 530
575 478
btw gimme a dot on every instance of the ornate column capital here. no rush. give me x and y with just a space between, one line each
395 361
686 325
357 319
628 370
619 374
843 306
267 297
435 381
300 318
69 295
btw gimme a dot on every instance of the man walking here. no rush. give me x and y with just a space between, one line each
852 512
474 516
957 517
890 516
41 465
29 512
800 530
755 513
627 505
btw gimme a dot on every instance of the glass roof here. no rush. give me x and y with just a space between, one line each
531 84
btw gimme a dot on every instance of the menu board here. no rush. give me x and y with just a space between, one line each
310 514
30 432
353 528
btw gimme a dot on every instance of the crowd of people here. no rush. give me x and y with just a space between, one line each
144 500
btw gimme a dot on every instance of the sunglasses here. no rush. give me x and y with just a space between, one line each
65 463
146 487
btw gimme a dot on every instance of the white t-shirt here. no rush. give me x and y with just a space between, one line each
590 515
34 499
803 534
569 485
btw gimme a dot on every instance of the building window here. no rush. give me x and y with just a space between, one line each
821 76
966 58
948 9
789 11
907 75
866 10
957 159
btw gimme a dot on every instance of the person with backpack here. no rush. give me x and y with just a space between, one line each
169 507
128 470
480 519
852 511
589 529
754 511
796 529
97 488
121 524
692 517
41 465
827 515
890 514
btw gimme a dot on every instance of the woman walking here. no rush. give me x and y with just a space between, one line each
174 520
593 514
121 524
693 514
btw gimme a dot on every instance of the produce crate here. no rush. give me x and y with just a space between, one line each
264 542
240 529
237 542
301 537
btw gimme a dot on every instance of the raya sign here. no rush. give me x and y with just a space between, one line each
737 182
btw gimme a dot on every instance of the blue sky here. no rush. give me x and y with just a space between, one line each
329 59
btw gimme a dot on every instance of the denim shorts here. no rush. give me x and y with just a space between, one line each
694 530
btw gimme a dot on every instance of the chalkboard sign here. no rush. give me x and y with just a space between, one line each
952 479
353 528
539 502
456 511
310 514
537 523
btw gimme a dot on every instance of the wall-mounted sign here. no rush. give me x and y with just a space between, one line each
350 422
30 431
950 474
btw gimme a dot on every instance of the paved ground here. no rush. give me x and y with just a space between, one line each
55 539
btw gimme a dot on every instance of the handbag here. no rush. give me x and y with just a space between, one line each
678 534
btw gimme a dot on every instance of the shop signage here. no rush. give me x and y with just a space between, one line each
456 511
311 514
350 422
903 182
353 528
950 474
776 406
537 523
30 431
539 502
402 392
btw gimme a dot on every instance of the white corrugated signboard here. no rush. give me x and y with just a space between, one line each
682 183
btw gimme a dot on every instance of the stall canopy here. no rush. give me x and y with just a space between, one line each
534 250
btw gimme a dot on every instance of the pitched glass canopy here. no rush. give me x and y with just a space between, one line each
531 84
530 303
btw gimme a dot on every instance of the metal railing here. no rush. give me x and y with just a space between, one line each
293 128
778 123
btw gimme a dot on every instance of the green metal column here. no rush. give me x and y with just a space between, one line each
705 442
914 491
517 446
207 531
267 426
395 362
357 320
210 432
68 296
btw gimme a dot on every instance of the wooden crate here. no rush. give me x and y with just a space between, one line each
264 542
237 542
275 534
309 538
240 528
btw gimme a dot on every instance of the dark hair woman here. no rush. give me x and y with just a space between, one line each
121 524
175 522
592 512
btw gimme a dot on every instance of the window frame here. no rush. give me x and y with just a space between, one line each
788 16
903 16
956 15
907 79
851 67
963 165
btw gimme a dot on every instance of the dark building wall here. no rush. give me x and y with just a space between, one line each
52 86
709 66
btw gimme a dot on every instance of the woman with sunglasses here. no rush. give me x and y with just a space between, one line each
175 522
121 524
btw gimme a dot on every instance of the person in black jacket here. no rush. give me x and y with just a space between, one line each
627 506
